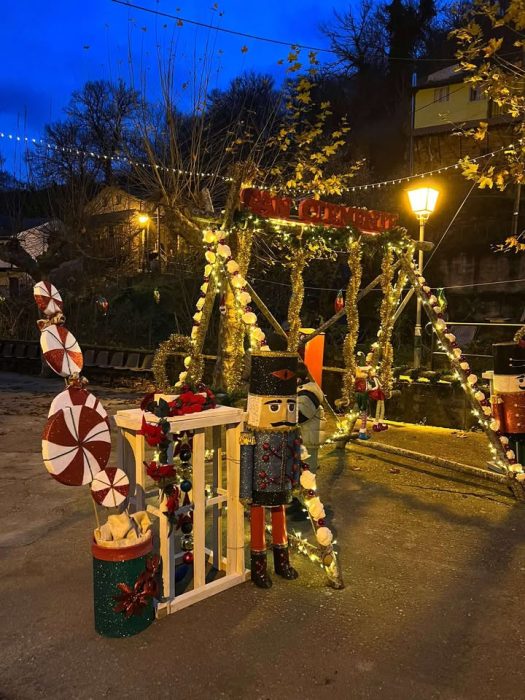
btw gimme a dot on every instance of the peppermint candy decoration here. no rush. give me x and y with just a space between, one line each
61 350
48 298
76 445
110 487
76 396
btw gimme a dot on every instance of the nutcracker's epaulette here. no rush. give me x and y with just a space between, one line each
247 438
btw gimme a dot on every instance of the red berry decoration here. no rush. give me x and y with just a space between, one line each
187 557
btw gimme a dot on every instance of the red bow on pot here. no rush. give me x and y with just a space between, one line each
132 601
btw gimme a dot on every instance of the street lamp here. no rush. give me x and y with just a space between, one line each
144 220
422 202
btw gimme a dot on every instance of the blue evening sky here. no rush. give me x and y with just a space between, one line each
49 48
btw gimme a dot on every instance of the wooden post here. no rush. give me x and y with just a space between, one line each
235 524
199 510
216 532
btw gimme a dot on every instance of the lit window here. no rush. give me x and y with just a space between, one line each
441 94
476 94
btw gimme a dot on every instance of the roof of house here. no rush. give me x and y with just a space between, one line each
444 76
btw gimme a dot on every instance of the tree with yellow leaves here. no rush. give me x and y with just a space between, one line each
491 51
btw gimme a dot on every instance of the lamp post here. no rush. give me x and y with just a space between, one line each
144 222
422 202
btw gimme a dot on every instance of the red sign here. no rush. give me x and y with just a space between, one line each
314 211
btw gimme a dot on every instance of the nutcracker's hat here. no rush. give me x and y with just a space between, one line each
274 374
509 358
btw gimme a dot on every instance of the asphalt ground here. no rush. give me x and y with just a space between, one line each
433 563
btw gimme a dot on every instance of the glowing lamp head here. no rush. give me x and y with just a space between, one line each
423 201
143 219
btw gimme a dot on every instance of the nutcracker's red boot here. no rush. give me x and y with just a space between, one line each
281 553
259 569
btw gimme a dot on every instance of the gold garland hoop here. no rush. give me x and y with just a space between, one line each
175 343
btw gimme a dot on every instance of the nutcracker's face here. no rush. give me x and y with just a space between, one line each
272 411
508 383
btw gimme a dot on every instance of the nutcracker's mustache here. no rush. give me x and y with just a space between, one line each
282 423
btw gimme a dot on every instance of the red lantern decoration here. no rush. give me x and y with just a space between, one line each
339 303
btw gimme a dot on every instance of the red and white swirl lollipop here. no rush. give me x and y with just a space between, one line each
76 396
110 487
76 445
61 350
48 298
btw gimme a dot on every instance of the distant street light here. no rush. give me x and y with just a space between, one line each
422 202
144 220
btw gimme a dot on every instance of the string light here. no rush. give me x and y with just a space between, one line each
157 166
104 157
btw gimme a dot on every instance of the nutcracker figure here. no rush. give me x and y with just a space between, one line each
362 401
270 458
508 395
376 393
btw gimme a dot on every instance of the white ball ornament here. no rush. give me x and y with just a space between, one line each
249 318
324 536
204 287
209 236
197 317
464 365
187 361
210 256
503 439
450 337
426 288
510 454
486 410
200 303
432 300
315 508
515 468
232 267
244 298
307 480
472 379
456 352
479 395
238 281
194 332
224 250
421 280
207 271
437 309
182 376
440 324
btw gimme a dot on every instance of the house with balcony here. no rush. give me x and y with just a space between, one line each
444 107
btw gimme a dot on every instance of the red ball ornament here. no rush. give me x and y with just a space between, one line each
298 441
187 557
321 522
311 493
339 303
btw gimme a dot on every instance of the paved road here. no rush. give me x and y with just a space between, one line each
434 568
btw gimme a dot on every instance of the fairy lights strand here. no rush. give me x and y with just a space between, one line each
163 168
104 157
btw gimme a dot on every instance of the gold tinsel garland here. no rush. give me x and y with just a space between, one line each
352 319
296 300
520 335
175 343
